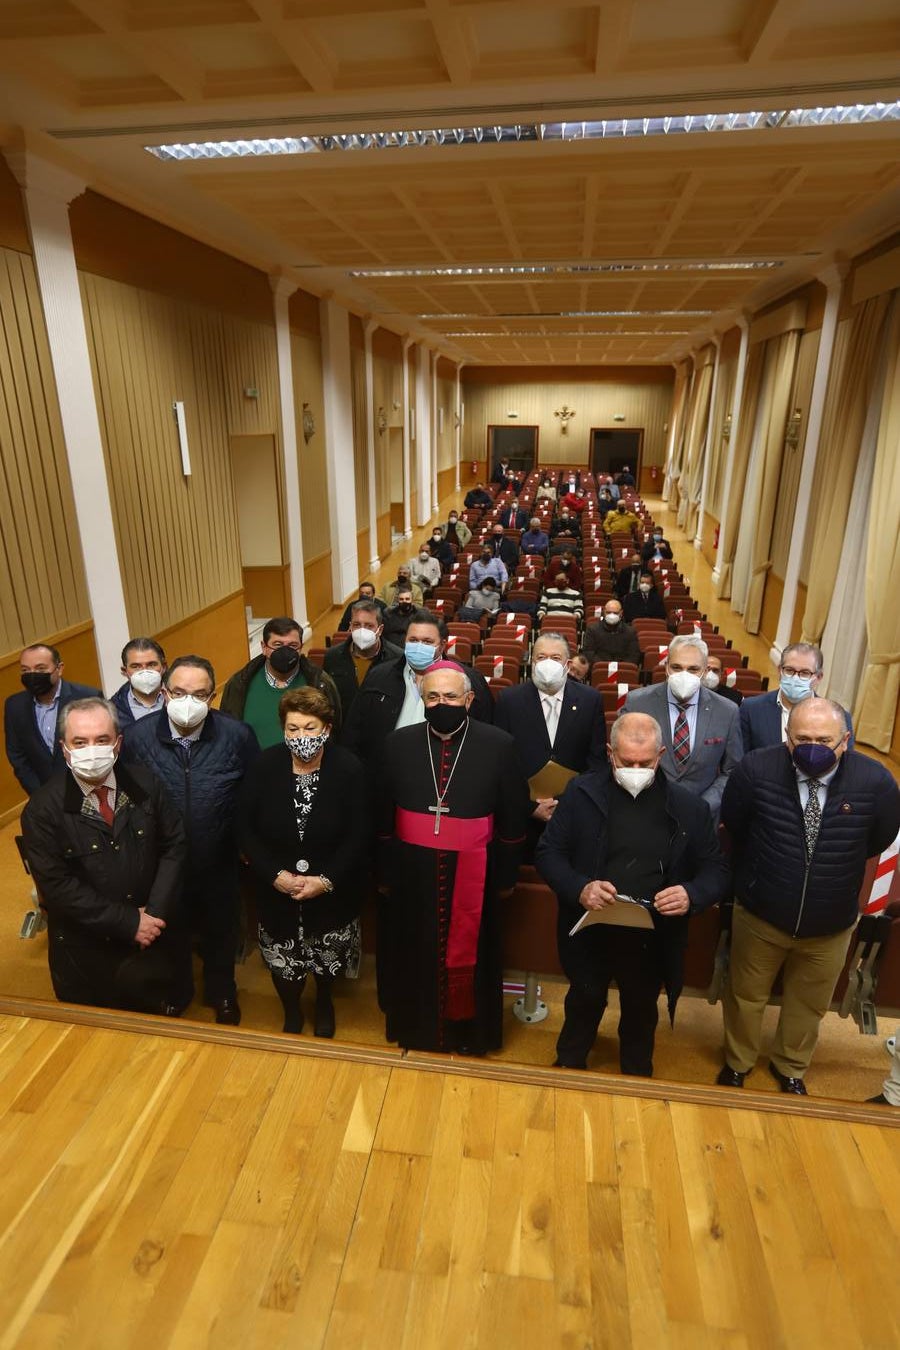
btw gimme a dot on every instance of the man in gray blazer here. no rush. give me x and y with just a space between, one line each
701 732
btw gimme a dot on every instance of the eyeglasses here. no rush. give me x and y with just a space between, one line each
798 674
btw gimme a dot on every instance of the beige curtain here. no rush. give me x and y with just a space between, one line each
843 419
760 512
718 444
679 401
692 471
675 467
876 706
742 442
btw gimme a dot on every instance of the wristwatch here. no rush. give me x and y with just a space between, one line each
327 884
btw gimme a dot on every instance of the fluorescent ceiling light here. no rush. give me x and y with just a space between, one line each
567 269
583 314
605 129
574 333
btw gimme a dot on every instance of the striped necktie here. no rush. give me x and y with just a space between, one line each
681 740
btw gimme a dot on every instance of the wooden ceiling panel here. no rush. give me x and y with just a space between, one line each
45 19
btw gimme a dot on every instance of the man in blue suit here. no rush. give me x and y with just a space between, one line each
700 730
764 717
557 724
29 719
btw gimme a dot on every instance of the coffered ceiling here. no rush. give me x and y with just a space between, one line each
632 231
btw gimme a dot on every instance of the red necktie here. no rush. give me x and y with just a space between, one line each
106 811
681 741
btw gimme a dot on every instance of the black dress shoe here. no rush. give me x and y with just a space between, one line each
880 1100
228 1012
729 1077
787 1084
560 1064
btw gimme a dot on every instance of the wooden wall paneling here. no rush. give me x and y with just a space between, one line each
45 589
114 242
177 536
306 361
384 532
361 416
267 590
319 598
643 395
218 632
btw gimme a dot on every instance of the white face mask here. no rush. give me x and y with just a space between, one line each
364 639
146 681
187 712
548 675
634 781
683 684
645 589
92 762
613 619
711 679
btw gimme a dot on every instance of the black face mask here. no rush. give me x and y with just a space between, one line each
37 682
284 660
485 557
405 607
445 718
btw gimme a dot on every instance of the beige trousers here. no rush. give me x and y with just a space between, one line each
811 967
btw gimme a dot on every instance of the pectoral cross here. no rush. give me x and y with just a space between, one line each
439 810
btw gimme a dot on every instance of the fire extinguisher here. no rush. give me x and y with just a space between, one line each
654 473
474 468
716 538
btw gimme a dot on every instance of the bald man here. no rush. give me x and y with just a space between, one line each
803 818
627 832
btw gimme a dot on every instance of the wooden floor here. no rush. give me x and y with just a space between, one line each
173 1193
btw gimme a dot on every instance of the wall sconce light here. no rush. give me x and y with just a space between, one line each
792 430
395 404
726 428
382 421
181 425
309 423
565 414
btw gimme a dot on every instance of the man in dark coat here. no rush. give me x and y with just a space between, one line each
558 727
646 602
143 665
391 696
351 663
106 849
366 592
630 833
201 757
612 639
764 719
30 718
253 693
803 817
453 811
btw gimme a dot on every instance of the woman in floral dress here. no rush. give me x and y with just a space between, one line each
303 828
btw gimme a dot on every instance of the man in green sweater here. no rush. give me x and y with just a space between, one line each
252 694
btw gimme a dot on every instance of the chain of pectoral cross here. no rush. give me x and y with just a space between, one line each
439 809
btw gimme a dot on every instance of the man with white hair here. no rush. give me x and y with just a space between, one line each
107 850
453 809
700 731
803 818
628 832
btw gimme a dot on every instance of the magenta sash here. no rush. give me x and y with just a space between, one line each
469 839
